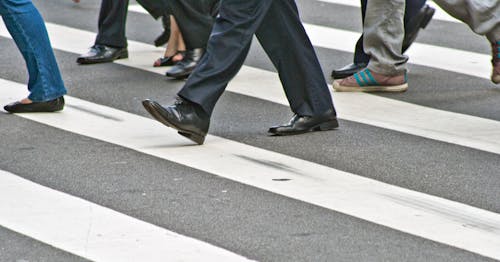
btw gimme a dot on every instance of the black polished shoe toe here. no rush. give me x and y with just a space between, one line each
303 124
348 70
35 107
102 54
183 116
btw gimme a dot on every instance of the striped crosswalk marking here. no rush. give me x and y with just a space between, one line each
427 216
92 231
460 129
412 212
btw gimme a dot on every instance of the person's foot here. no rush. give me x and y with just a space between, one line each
165 35
495 75
184 68
169 60
102 54
348 70
303 124
419 21
28 106
188 118
369 81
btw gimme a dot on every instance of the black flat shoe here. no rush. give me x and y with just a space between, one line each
189 120
303 124
419 21
184 68
102 54
34 107
348 70
168 60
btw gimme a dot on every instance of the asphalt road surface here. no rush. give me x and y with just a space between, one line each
412 176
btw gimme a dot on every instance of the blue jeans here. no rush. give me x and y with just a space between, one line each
27 28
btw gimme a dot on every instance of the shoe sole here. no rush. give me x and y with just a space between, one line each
325 126
394 89
153 109
179 76
495 79
429 13
424 20
35 111
97 61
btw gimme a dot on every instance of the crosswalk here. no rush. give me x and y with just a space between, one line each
92 231
95 232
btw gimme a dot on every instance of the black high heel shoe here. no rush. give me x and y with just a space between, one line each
168 60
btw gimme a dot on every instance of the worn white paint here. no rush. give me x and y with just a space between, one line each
427 216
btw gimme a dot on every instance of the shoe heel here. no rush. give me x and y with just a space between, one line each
427 18
196 138
123 55
495 78
332 124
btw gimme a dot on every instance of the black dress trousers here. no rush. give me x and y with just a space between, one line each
155 8
195 19
111 25
278 28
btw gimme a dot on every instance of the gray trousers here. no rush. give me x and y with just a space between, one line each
384 32
383 36
482 16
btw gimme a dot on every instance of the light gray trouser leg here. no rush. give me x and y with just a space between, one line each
482 16
383 36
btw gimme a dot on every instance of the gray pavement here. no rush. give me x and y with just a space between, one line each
248 221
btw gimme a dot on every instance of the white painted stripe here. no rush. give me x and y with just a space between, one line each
459 129
453 60
137 9
430 217
92 231
464 130
439 15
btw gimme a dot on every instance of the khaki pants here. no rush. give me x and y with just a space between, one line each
482 16
383 36
384 30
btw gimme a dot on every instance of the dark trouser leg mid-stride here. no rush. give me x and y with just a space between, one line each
278 28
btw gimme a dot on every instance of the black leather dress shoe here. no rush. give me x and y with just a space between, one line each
48 106
102 54
348 70
303 124
419 21
184 68
189 120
